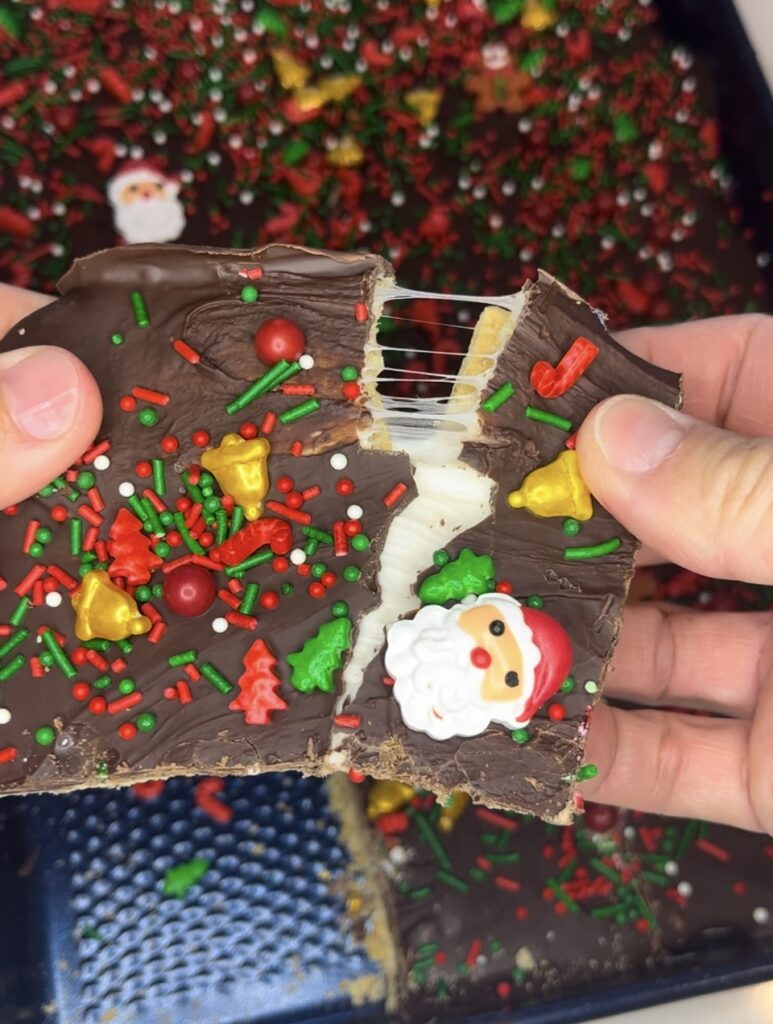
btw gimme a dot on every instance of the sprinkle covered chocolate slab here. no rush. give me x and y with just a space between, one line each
264 561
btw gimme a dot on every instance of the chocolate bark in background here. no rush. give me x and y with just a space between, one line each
545 542
468 141
202 591
183 697
493 911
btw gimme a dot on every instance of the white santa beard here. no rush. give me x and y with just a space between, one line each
150 220
436 685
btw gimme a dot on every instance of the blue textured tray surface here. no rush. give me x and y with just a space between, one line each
262 936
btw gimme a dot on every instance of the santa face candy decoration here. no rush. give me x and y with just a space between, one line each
485 660
268 560
145 203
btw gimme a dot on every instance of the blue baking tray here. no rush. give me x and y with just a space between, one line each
88 936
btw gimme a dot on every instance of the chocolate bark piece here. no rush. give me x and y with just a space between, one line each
249 460
121 712
485 910
573 568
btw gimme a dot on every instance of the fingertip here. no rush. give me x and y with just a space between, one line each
600 751
50 412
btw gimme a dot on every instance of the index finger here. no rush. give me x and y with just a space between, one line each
16 303
727 364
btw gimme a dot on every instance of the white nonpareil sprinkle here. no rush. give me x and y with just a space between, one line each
101 463
297 556
338 460
126 489
684 889
354 512
306 361
219 625
53 599
761 915
5 716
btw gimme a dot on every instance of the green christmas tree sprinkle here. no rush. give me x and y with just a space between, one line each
179 879
466 574
313 666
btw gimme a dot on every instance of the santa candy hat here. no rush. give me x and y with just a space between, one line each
555 649
134 171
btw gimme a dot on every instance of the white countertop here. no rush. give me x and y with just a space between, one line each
752 1004
757 16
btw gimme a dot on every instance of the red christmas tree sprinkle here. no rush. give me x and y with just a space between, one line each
131 550
258 686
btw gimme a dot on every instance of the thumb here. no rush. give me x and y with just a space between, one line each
50 411
701 496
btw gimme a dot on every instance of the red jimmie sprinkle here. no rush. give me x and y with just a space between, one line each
192 673
154 500
24 585
717 852
91 538
149 395
125 703
499 820
253 274
182 348
340 540
242 621
93 518
157 631
36 668
29 534
149 790
95 499
268 423
360 311
95 658
348 721
476 948
99 449
184 691
571 442
230 599
8 754
116 85
387 681
289 513
296 448
298 389
395 494
508 884
390 824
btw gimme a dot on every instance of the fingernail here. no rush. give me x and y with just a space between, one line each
636 434
41 393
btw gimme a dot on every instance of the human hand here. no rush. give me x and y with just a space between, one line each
50 409
698 490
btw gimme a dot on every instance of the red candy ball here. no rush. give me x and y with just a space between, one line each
599 817
189 590
277 339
